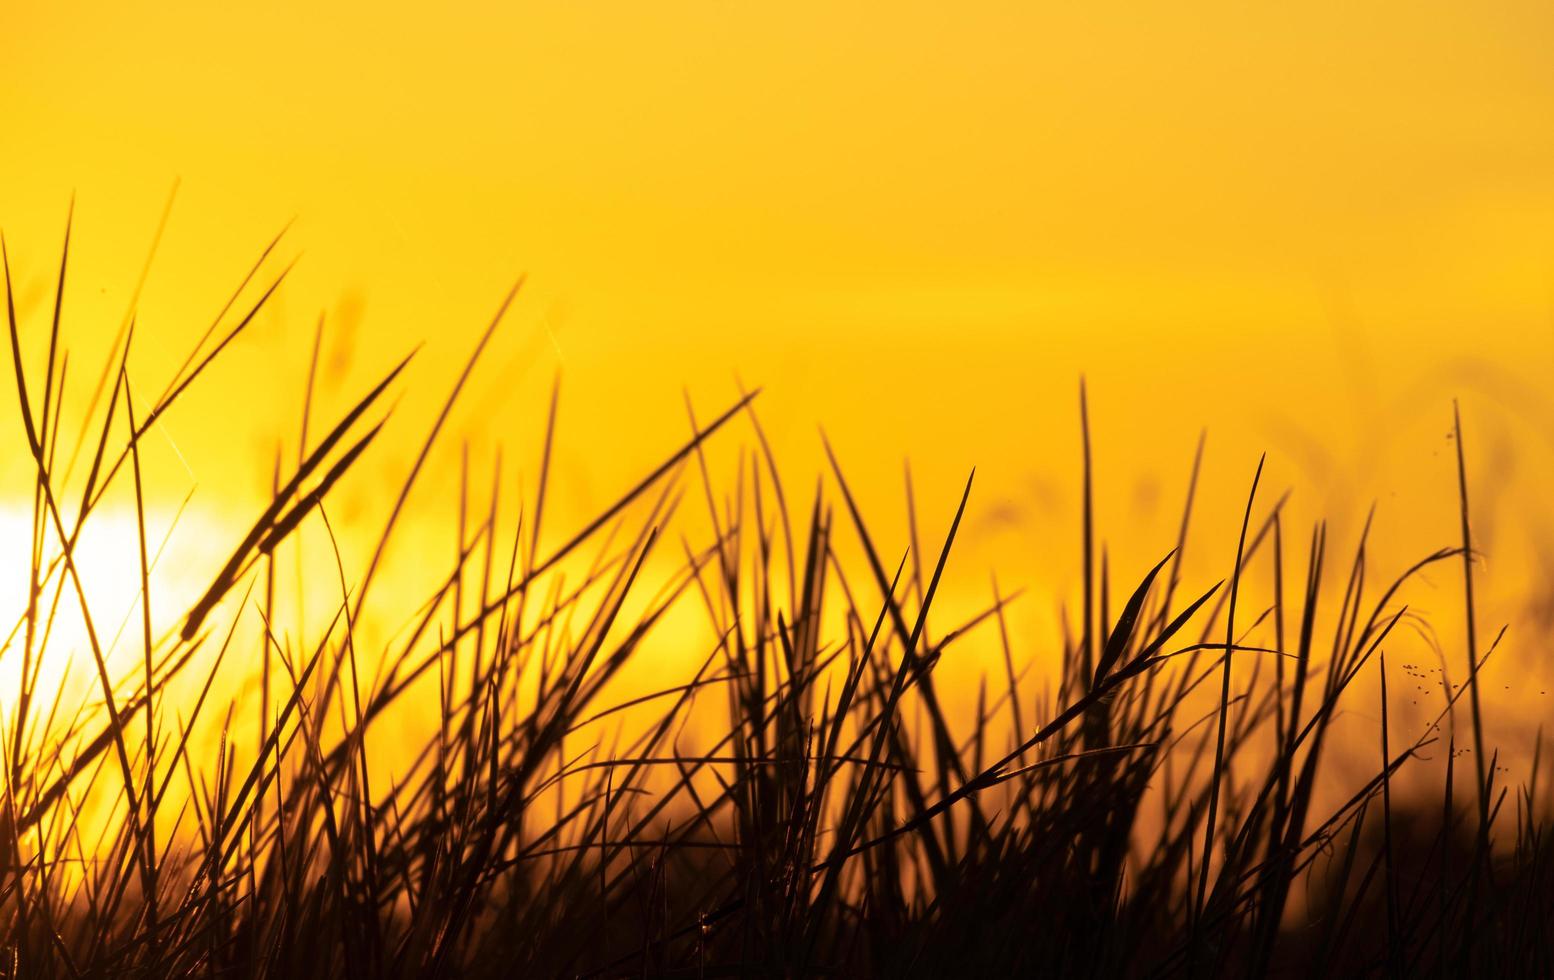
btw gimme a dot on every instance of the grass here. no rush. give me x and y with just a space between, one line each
1168 804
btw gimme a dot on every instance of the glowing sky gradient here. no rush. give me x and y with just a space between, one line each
1305 227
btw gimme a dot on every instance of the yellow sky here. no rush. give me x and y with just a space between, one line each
1303 226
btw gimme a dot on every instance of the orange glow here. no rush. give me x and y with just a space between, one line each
1305 230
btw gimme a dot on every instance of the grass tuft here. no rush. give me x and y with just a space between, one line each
803 802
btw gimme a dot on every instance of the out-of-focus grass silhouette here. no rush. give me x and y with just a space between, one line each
1163 806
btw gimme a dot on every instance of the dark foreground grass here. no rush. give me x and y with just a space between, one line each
1165 804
